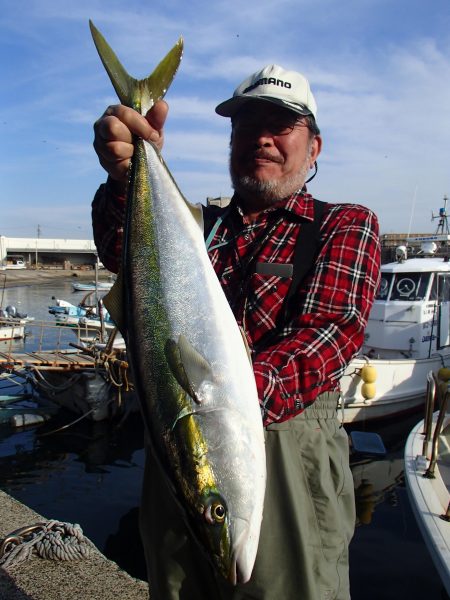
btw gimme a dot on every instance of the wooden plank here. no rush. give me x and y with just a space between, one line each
48 359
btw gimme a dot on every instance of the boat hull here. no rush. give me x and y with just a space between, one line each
12 332
430 497
400 387
87 287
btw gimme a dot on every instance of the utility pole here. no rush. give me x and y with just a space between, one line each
38 236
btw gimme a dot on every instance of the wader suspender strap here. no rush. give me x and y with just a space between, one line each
305 252
211 224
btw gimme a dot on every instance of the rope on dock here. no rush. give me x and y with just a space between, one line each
39 380
51 540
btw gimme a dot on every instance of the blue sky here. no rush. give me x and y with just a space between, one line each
379 69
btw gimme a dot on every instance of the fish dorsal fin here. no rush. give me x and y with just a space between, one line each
114 303
139 94
188 366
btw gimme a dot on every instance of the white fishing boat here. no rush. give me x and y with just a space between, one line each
408 332
427 476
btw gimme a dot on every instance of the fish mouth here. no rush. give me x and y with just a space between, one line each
236 574
232 573
242 558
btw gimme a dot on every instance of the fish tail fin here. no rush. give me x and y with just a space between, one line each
139 94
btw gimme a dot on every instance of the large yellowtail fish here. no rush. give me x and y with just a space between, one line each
190 365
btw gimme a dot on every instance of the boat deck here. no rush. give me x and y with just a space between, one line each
62 360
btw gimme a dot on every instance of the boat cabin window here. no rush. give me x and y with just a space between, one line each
434 289
410 286
443 287
384 287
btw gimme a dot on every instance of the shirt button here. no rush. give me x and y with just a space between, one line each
246 237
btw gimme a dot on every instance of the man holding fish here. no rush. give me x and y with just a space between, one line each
300 277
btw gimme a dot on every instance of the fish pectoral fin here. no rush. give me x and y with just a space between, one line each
188 366
114 303
173 357
196 367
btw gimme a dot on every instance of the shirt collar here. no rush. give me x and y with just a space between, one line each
300 204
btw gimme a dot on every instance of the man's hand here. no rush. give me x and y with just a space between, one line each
114 132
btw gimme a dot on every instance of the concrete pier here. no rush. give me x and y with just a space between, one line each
94 578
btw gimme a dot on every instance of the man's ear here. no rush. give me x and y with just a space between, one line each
315 150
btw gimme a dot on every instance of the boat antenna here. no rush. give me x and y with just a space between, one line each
443 226
412 213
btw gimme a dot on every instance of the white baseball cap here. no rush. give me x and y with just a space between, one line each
272 84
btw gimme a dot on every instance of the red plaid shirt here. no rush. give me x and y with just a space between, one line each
307 355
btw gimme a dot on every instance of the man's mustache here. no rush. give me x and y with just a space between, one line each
261 154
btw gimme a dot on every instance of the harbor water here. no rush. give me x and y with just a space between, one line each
91 473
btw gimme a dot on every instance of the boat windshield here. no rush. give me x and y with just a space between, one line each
384 287
409 286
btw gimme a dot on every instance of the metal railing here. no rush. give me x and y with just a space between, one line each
439 391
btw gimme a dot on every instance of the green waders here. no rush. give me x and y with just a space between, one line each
309 518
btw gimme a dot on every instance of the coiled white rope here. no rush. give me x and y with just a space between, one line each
52 540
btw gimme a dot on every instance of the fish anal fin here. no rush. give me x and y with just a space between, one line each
197 213
247 347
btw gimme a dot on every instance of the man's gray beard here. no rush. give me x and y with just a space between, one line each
271 191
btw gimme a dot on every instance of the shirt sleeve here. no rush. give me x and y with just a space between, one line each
108 213
313 350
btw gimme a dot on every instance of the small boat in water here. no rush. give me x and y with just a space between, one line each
12 323
11 330
408 332
89 319
427 475
92 286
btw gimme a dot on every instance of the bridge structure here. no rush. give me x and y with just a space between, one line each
50 252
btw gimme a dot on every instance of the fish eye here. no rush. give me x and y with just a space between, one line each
215 513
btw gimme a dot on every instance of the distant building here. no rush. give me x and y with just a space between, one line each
221 201
46 253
